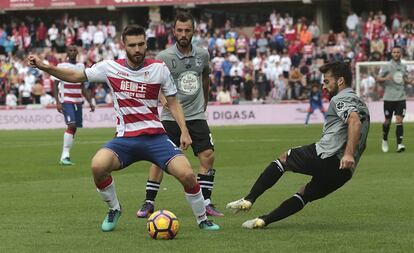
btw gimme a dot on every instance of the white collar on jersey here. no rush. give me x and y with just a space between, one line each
180 55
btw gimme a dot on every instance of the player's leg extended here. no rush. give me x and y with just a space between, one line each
206 179
181 169
271 174
388 112
103 163
399 132
310 112
317 188
152 188
68 138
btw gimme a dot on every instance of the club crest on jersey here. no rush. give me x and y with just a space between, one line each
198 61
174 64
340 106
398 77
146 76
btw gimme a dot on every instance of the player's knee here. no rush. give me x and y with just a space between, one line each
207 155
399 120
301 190
387 122
97 166
282 158
188 179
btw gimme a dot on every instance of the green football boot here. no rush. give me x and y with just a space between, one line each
111 220
66 162
208 225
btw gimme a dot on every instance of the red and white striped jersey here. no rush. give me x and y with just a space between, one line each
70 92
135 93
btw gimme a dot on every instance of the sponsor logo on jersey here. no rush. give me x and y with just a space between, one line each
398 77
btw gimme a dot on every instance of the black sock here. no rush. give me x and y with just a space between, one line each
287 208
385 130
206 183
267 179
151 190
399 131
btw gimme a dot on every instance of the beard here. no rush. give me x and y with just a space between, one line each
183 42
136 59
396 58
333 92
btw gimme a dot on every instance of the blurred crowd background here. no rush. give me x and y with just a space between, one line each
271 58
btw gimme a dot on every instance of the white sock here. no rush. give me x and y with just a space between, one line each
196 202
108 195
67 145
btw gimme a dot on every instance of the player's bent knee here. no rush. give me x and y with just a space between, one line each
301 190
282 158
104 161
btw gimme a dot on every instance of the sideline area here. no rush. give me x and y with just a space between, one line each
218 115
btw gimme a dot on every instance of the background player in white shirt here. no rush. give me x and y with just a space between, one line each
69 102
135 83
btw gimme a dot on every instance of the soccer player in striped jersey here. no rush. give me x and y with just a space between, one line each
69 102
135 83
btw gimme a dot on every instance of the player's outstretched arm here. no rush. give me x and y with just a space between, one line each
177 112
64 74
354 132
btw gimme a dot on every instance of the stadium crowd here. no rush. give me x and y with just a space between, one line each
264 63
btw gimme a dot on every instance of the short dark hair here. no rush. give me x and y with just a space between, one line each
132 30
184 16
338 70
397 46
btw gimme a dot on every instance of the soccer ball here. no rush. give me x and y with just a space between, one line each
163 225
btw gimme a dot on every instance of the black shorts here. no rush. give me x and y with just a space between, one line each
326 175
199 133
394 107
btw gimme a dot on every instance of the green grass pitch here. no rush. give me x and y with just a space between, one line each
45 207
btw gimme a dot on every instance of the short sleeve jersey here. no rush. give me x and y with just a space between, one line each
135 93
394 88
187 72
70 92
335 130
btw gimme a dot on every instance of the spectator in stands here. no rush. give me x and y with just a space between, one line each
161 35
315 31
262 84
99 36
257 31
262 44
226 67
295 88
46 99
41 35
151 39
100 94
217 63
91 28
223 96
352 21
37 91
52 33
305 36
11 99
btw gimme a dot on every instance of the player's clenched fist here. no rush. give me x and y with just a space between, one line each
35 62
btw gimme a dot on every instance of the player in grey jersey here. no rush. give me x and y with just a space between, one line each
394 77
190 69
331 161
